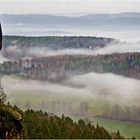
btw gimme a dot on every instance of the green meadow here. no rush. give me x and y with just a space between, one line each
127 129
35 99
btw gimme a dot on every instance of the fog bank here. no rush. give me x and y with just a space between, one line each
88 86
15 52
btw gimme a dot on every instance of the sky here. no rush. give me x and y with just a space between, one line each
68 7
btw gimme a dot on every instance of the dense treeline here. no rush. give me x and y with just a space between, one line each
40 125
58 67
58 106
114 111
31 124
56 42
128 113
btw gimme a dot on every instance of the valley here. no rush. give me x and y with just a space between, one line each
73 81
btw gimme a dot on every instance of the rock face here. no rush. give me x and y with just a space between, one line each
10 123
10 119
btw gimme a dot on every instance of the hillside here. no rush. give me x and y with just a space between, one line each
18 47
59 67
41 125
114 20
56 42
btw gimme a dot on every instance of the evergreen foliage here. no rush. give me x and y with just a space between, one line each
41 125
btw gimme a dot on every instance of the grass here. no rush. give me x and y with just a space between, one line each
127 129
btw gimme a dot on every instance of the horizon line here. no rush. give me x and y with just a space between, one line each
70 14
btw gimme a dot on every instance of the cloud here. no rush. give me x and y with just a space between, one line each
107 84
90 86
2 59
16 52
119 48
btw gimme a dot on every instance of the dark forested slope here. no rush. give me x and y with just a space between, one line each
60 66
40 125
57 42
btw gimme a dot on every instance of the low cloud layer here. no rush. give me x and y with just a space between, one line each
109 87
15 52
119 48
2 59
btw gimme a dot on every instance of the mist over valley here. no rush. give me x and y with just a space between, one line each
123 26
90 72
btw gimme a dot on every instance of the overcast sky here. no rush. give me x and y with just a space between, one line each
68 7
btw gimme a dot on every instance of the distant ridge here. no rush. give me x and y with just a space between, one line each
123 19
123 26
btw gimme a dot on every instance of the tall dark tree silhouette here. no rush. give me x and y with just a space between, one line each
0 37
2 94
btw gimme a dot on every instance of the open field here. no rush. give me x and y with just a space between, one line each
127 129
45 96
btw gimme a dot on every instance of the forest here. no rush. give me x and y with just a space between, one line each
69 69
41 125
47 112
56 68
57 42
